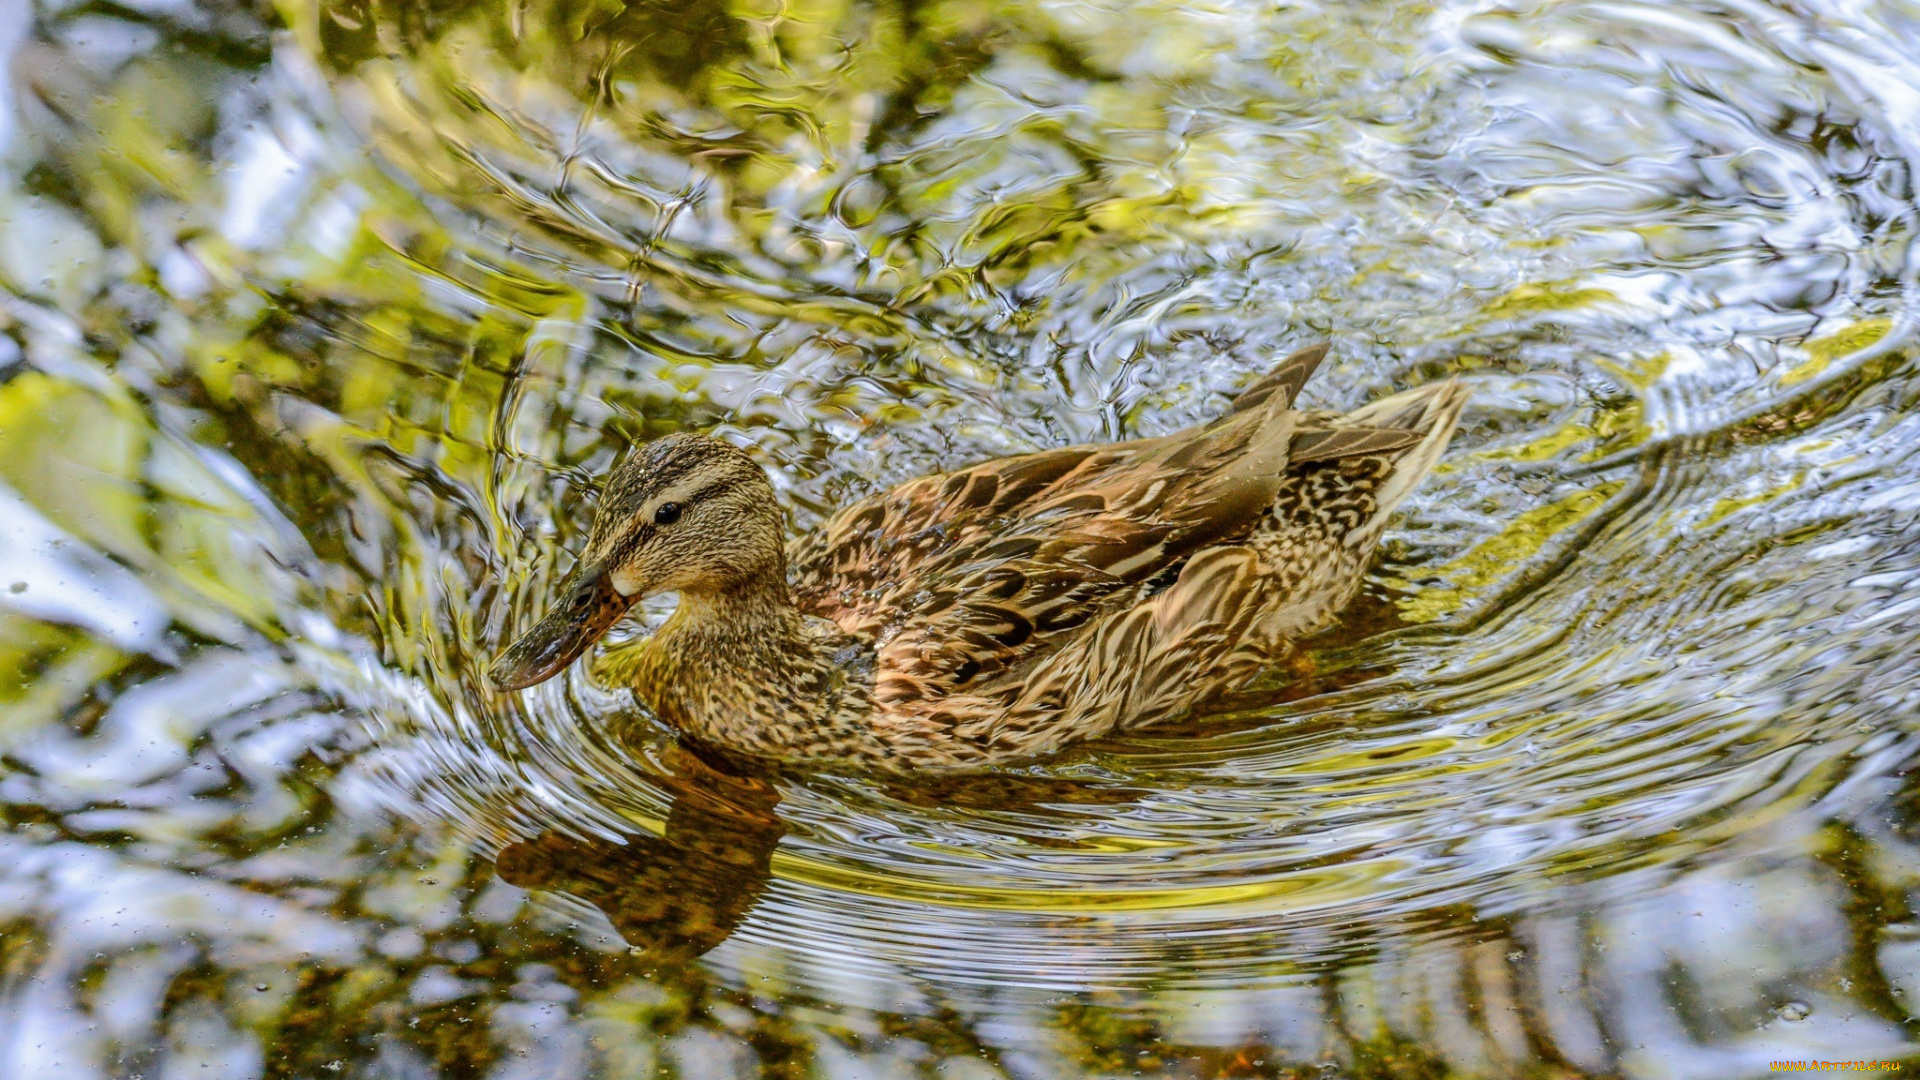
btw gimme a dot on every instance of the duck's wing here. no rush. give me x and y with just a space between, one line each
999 591
841 568
1283 383
962 576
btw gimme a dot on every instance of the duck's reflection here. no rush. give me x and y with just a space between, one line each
680 894
677 895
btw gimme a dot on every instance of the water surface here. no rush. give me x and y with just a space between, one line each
318 324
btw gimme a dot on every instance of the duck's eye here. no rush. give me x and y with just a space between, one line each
667 514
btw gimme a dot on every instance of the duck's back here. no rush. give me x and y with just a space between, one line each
1026 601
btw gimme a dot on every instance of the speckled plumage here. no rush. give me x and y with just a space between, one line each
1000 611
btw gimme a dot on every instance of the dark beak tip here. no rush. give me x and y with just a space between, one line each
510 674
559 638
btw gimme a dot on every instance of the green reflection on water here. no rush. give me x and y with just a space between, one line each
319 324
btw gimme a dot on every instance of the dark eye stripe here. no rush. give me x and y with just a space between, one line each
622 547
714 490
678 507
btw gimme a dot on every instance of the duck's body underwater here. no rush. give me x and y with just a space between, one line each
996 612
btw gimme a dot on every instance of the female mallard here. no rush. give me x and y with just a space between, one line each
996 612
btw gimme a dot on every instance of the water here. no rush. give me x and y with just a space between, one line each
320 323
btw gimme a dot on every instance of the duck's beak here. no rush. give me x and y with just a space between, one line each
588 605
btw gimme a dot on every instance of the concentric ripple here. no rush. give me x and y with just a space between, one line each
1669 251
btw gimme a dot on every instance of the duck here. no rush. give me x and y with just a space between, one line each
995 613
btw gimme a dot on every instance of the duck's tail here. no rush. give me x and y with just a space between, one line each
1409 429
1429 412
1344 478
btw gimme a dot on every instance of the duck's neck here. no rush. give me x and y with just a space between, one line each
758 612
737 668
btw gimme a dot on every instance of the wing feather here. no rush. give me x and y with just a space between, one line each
1339 442
956 586
1283 383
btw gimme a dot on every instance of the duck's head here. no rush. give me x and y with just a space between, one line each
687 514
